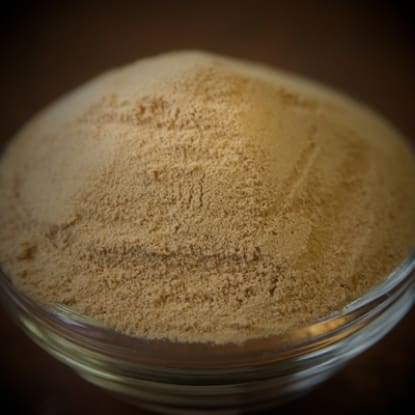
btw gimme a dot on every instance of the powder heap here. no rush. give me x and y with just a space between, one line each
199 198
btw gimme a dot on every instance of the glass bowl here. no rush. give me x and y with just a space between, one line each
199 378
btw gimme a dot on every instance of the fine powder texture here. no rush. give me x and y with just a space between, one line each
200 198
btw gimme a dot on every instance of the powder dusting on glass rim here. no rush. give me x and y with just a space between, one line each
198 198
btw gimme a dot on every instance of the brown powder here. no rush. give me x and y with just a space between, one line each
199 198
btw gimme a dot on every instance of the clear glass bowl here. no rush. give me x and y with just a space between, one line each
197 378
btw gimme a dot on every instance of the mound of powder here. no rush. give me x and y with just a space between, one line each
199 198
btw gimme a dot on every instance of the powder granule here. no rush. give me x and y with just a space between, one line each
199 198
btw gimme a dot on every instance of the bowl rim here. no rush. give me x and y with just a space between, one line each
293 344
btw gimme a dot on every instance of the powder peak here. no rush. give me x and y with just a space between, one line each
200 198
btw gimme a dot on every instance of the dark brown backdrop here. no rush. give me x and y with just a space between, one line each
364 48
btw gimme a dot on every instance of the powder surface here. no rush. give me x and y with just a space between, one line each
199 198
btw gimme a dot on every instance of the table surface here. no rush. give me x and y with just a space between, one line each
364 48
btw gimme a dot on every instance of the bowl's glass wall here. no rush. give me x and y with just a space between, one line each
178 377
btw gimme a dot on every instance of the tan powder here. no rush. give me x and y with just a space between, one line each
198 198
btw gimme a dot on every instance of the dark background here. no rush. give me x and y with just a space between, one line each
365 48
